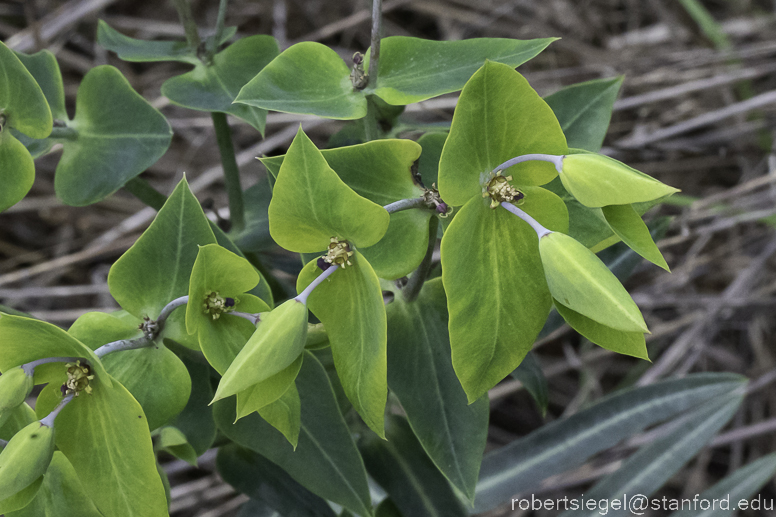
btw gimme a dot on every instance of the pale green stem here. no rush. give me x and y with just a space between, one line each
48 420
540 230
315 283
405 204
553 159
29 368
189 25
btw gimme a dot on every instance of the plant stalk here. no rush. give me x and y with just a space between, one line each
315 283
374 53
540 230
553 159
142 190
219 27
189 25
405 204
29 368
416 281
231 172
48 420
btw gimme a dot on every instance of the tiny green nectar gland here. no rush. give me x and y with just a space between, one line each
78 377
215 305
339 253
499 190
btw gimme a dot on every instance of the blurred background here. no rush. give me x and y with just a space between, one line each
697 110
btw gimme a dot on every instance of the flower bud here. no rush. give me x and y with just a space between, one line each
15 385
596 180
25 458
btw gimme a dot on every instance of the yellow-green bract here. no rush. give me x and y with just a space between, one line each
25 458
596 180
278 341
15 385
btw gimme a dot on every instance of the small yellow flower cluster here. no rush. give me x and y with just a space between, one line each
215 304
339 253
499 190
78 377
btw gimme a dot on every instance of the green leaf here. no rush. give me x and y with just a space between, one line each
23 340
387 508
428 164
350 306
17 170
105 435
22 498
255 236
264 481
60 494
269 390
531 376
156 269
622 342
117 136
741 484
285 414
498 117
308 78
131 49
402 468
310 204
172 440
153 375
596 180
580 281
262 290
45 70
326 461
629 227
214 86
254 508
277 343
389 162
196 419
621 260
22 102
654 464
496 293
413 69
20 417
567 443
546 207
584 111
451 431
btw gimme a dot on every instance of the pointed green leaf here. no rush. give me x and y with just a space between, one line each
496 293
262 290
584 111
22 102
412 480
22 498
326 461
413 69
278 342
19 334
132 49
45 70
580 281
350 306
451 431
118 135
255 236
626 343
629 227
741 484
310 204
264 481
269 390
531 376
654 464
498 117
17 170
153 375
285 414
308 78
596 180
567 443
60 494
105 435
20 417
156 269
172 440
196 419
546 207
213 87
389 162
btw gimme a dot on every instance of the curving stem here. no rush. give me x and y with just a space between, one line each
48 420
29 368
552 158
540 230
302 297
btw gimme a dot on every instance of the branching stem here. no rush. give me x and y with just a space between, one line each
302 297
189 25
48 420
253 318
142 190
29 368
540 230
405 204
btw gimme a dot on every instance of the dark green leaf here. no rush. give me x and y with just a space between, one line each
131 49
17 170
627 224
308 78
428 164
451 431
45 70
117 136
22 102
531 376
172 440
285 414
326 460
255 237
413 69
584 110
412 480
262 480
214 86
196 419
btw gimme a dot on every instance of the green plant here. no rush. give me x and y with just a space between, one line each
523 200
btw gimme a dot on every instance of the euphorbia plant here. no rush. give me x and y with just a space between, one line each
201 342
